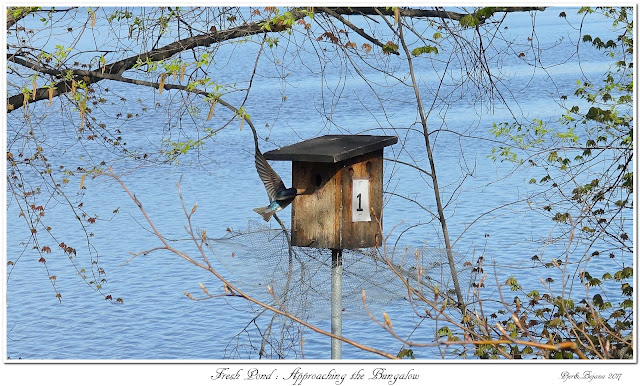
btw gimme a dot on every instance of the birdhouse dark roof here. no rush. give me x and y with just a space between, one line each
331 148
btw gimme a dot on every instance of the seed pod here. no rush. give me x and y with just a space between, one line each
203 288
211 109
161 86
387 320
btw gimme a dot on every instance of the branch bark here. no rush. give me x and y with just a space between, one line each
425 13
207 39
434 177
208 267
15 14
355 28
165 52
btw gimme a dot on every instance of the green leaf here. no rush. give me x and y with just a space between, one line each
444 331
424 50
624 273
513 283
485 12
621 203
469 21
555 322
390 48
406 353
594 282
561 217
585 10
597 300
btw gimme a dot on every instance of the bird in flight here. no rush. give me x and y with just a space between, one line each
279 195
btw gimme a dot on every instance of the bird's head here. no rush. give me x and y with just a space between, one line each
288 193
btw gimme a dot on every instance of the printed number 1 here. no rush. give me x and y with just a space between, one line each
359 202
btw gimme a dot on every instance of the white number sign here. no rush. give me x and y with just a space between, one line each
360 201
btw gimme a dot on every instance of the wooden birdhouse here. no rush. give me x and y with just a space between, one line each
339 184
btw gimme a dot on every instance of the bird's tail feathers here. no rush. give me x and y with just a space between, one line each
264 212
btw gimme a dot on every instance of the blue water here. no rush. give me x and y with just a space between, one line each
156 320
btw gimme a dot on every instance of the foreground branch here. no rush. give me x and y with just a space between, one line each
423 13
207 39
228 285
15 14
159 54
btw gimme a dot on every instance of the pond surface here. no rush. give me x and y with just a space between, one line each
157 321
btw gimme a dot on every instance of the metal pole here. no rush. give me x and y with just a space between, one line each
336 302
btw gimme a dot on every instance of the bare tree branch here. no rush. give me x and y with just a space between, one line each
235 290
425 13
15 14
207 39
355 28
165 52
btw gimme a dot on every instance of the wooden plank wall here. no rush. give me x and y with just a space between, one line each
321 214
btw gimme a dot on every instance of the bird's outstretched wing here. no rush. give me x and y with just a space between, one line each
271 180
